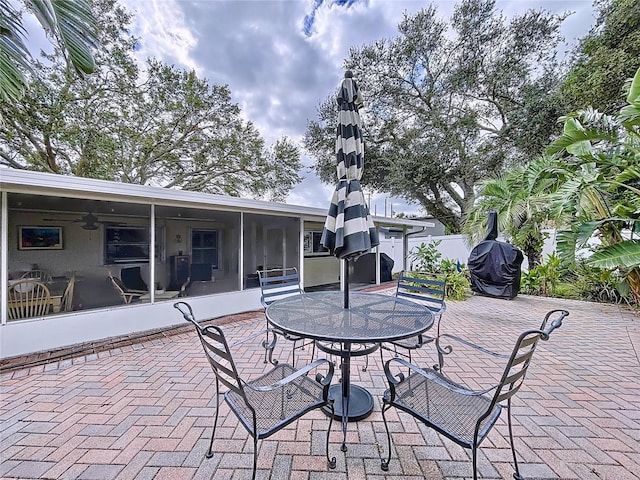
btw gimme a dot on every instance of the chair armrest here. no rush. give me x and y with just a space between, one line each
448 349
252 336
323 380
431 375
470 344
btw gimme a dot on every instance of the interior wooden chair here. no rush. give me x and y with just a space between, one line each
126 295
28 298
266 404
279 283
41 275
132 280
425 289
463 415
67 297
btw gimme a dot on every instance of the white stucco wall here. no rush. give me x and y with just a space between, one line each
55 331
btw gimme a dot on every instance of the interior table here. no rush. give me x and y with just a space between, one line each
370 319
164 295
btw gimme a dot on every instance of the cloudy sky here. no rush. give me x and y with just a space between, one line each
281 58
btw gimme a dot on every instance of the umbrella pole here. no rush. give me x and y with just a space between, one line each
346 283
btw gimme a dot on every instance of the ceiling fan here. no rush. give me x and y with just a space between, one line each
89 221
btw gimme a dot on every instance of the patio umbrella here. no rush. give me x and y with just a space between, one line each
349 231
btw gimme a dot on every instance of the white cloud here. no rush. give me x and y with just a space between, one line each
276 72
163 30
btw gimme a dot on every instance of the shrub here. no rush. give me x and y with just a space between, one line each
429 260
427 257
599 285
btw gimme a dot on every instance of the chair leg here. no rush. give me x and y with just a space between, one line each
516 475
331 461
209 453
293 353
266 342
384 465
474 455
255 453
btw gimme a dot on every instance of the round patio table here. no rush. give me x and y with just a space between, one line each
370 319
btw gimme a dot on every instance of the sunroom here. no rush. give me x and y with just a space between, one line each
114 256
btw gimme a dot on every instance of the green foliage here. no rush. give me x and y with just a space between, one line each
549 274
530 283
566 290
430 260
597 163
457 287
605 58
598 285
449 103
521 201
426 256
160 125
70 24
543 278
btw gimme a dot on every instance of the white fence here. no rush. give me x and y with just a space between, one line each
452 247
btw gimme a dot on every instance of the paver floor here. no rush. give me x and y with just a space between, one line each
145 411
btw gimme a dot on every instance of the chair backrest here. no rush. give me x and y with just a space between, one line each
28 298
424 288
520 359
278 283
67 297
217 351
132 279
200 272
38 275
119 286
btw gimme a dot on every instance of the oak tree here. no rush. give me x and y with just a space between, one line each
447 104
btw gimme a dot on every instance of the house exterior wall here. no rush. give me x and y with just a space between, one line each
29 197
50 333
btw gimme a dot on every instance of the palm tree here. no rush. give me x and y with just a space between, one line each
521 199
69 23
600 195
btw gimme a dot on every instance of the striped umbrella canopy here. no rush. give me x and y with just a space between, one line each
349 231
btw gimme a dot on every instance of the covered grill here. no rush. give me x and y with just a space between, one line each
494 265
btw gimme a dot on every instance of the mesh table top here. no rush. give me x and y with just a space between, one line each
370 318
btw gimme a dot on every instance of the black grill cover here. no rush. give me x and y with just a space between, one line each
495 266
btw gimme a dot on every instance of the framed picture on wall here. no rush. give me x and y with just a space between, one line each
39 238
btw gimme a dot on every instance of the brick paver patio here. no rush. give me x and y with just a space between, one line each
145 411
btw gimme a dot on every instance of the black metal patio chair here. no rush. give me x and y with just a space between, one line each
425 289
270 402
463 415
279 283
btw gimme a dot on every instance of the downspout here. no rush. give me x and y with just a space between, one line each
4 256
405 245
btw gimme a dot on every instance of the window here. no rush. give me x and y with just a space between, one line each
130 244
312 246
204 247
126 244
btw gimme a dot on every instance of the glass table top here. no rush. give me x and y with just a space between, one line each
371 317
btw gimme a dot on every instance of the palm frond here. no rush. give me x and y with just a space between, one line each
634 89
14 55
623 254
576 140
566 244
630 115
76 25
